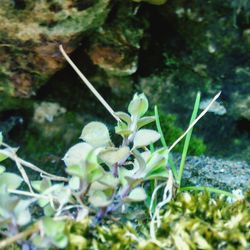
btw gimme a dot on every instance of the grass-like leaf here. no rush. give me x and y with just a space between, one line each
188 137
163 141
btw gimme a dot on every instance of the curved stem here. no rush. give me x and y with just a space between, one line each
10 240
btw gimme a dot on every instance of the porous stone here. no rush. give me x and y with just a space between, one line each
219 173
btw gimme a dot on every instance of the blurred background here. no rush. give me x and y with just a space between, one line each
167 49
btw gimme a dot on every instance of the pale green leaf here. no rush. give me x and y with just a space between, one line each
41 242
137 194
60 241
52 227
123 116
113 155
23 218
10 180
109 180
77 154
1 138
159 172
96 134
62 194
122 129
138 106
43 202
76 170
41 186
99 199
95 174
3 156
2 169
144 121
144 137
7 204
48 210
22 205
74 183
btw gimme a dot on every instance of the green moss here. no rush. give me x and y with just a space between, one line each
197 221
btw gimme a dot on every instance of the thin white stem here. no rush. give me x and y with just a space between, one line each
194 122
12 155
29 194
23 173
37 169
88 84
153 198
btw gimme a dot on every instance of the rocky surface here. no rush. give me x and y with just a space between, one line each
167 49
219 173
30 33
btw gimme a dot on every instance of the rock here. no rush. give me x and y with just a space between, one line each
218 173
115 47
199 48
47 111
30 33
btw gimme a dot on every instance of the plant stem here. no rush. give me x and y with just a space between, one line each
10 240
13 156
88 84
194 122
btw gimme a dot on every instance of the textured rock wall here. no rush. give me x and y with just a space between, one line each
168 49
30 32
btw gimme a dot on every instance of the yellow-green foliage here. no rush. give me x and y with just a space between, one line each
192 221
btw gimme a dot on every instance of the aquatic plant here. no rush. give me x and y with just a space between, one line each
102 179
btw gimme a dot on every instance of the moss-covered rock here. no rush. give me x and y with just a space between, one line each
116 45
30 33
191 221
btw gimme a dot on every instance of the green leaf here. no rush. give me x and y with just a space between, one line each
137 194
144 121
113 155
99 199
41 186
94 174
77 154
109 180
123 116
43 202
60 241
138 106
159 172
41 242
62 194
52 227
10 180
122 129
1 137
144 137
2 169
96 134
188 137
74 183
23 218
3 156
76 170
7 204
48 210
